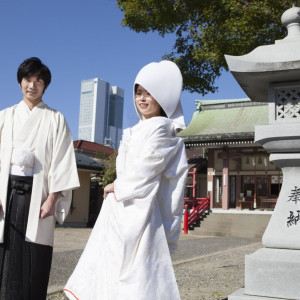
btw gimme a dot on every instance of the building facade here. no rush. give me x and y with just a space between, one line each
83 211
101 112
87 200
239 174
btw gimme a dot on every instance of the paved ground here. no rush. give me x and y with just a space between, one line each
205 267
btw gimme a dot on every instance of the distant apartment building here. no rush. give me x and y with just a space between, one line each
101 112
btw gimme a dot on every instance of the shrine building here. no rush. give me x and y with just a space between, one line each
228 164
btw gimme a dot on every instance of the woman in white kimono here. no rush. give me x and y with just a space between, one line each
128 253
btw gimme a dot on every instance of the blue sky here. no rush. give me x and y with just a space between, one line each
80 40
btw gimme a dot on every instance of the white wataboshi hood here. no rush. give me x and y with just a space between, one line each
163 81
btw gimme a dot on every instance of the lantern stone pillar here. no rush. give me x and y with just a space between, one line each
272 73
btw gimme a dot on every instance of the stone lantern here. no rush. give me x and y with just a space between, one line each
272 73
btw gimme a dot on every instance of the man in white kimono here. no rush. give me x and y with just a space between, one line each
37 174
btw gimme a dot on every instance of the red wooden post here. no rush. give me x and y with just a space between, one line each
208 202
194 188
185 221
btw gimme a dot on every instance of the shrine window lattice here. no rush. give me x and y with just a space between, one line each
288 103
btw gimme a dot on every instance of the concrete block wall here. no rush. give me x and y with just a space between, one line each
232 224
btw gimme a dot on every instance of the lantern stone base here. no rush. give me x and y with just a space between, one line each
271 273
240 295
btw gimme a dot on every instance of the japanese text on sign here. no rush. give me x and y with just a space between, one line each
293 219
295 195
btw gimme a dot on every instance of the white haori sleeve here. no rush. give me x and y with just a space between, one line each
171 197
62 175
143 173
2 116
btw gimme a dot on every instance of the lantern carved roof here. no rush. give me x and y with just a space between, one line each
275 63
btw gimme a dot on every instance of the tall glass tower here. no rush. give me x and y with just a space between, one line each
101 112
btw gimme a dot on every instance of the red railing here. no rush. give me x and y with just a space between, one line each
194 209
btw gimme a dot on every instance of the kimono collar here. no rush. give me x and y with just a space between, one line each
154 120
27 109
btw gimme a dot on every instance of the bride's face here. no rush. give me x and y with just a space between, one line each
146 104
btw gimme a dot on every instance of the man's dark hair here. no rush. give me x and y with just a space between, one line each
34 67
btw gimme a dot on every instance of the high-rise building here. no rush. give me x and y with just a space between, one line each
101 112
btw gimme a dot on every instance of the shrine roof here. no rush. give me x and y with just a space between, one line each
85 162
92 147
224 120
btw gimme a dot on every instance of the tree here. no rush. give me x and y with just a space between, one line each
206 30
110 173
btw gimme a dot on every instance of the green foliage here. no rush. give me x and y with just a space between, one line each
110 170
102 155
217 294
206 30
109 173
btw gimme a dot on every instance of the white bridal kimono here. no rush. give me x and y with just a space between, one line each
45 132
128 253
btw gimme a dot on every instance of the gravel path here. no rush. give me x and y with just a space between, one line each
213 276
205 267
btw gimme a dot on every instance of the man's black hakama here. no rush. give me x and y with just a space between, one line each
24 266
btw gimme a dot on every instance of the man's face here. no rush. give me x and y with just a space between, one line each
32 89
